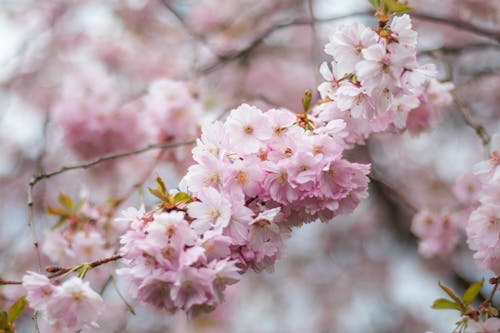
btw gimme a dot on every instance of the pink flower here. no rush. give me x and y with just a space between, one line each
248 127
213 210
490 325
75 304
401 30
347 44
39 288
437 233
192 286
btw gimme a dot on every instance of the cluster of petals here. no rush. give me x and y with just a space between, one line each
172 266
437 232
257 175
375 81
95 120
73 302
483 227
87 235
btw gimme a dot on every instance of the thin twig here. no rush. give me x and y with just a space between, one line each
58 271
87 165
11 282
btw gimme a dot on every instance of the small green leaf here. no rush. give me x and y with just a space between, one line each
306 100
453 296
4 321
161 185
443 303
59 223
83 271
181 197
16 309
79 204
66 201
375 3
396 7
157 193
56 211
471 292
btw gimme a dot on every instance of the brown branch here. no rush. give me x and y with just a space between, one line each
58 271
481 132
458 50
397 193
87 165
487 302
460 25
11 282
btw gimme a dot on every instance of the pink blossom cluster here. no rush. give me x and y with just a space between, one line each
375 81
72 303
437 232
83 234
258 174
95 120
483 226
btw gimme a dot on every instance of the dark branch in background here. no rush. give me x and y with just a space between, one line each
225 58
458 50
392 199
481 132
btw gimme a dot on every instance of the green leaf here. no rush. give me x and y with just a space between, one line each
396 7
181 196
4 321
66 201
161 185
83 271
453 296
306 100
157 193
56 211
16 309
59 223
471 292
375 4
443 303
79 204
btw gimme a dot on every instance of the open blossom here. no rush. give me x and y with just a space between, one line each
347 44
248 128
212 210
39 289
72 303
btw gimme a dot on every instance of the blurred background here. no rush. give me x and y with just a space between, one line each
72 77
